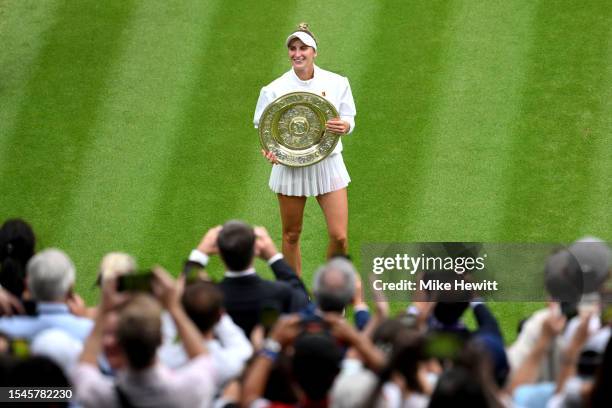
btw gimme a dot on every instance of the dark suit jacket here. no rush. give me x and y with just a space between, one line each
487 324
246 296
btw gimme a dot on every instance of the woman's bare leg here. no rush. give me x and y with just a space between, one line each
335 209
292 214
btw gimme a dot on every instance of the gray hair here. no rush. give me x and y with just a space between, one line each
50 275
335 281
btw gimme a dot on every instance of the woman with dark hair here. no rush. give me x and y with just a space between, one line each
17 243
326 180
403 381
469 382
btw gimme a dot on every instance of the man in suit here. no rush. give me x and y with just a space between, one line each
249 299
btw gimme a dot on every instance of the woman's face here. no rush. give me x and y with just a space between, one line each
301 55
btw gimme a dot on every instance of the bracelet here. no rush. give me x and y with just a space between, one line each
271 349
269 354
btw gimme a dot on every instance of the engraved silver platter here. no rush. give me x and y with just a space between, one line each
293 128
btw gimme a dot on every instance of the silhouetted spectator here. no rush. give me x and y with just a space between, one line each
17 242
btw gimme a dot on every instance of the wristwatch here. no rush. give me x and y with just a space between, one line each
271 348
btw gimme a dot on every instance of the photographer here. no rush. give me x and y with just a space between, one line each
244 291
314 349
145 382
573 275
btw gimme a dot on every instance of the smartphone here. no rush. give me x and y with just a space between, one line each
193 272
135 282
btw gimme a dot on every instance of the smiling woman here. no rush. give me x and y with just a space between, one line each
326 180
302 56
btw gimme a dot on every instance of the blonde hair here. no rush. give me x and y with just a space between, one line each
116 264
306 28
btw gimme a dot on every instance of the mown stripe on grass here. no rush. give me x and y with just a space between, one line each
395 94
52 129
211 154
477 103
133 132
598 214
557 137
22 29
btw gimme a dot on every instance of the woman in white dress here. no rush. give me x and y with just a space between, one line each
326 180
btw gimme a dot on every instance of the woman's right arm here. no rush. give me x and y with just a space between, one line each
265 97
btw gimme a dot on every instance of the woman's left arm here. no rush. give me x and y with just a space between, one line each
345 123
346 108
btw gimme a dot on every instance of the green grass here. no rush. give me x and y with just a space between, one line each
127 124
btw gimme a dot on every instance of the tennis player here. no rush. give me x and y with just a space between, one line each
326 180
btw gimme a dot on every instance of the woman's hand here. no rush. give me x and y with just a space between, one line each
270 156
338 126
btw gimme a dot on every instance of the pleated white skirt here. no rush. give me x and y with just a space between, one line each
323 177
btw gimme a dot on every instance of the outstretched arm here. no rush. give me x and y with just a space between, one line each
529 370
282 335
169 294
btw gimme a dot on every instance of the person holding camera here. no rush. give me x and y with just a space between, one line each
315 348
245 293
143 381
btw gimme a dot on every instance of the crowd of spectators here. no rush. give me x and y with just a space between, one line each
154 340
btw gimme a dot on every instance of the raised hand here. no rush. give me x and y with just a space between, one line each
208 244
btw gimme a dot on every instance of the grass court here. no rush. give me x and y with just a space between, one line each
128 124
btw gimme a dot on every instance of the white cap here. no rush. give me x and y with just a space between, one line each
304 37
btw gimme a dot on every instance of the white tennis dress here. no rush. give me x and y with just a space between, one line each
329 174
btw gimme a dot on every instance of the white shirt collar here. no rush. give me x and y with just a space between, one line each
308 81
239 274
52 308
